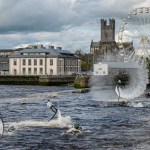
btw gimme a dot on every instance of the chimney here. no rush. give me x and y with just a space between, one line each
34 46
60 48
40 46
30 46
51 47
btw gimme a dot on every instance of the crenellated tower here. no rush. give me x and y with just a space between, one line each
106 48
108 30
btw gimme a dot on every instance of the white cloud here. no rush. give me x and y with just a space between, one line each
68 23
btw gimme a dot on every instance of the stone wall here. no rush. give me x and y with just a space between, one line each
82 82
19 80
37 80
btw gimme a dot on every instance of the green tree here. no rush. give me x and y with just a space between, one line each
86 60
85 66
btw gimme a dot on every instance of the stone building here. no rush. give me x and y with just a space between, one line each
41 61
107 47
107 31
4 60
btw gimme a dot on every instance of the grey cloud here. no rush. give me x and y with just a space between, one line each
35 15
54 16
72 23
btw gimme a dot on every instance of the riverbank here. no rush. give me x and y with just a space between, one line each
37 80
77 82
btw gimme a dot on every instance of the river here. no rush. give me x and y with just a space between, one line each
105 124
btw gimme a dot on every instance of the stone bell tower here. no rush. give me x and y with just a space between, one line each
108 30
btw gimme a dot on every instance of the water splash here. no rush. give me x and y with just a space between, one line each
60 122
134 87
63 121
137 84
139 104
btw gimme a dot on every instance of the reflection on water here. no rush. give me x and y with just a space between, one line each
106 125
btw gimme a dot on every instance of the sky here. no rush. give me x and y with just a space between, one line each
71 24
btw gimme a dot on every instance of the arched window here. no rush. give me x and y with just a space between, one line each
51 71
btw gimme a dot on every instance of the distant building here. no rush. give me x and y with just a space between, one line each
6 52
4 60
107 46
41 61
107 67
4 65
100 69
32 46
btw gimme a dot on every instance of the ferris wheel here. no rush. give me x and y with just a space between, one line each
134 35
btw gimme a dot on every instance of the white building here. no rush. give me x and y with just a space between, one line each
106 68
43 62
100 69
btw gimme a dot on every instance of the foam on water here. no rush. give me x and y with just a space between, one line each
65 121
29 98
139 104
43 95
60 122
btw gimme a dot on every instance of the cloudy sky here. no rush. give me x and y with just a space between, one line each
71 24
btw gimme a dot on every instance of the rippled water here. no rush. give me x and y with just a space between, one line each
106 125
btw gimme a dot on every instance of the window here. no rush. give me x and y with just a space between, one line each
41 70
25 53
29 70
29 62
15 72
35 62
59 63
23 62
42 53
23 71
35 70
15 62
31 53
41 61
51 62
51 71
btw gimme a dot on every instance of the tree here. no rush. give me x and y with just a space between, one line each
85 66
86 60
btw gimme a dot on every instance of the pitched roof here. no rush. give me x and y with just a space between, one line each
95 44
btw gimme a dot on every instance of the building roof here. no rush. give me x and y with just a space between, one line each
48 53
6 50
4 58
95 44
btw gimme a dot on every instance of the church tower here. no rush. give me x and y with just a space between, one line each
108 30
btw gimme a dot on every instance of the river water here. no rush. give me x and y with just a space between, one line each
105 124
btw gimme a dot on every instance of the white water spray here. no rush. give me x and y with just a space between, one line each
137 82
59 122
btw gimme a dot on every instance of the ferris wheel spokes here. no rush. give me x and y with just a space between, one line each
136 28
